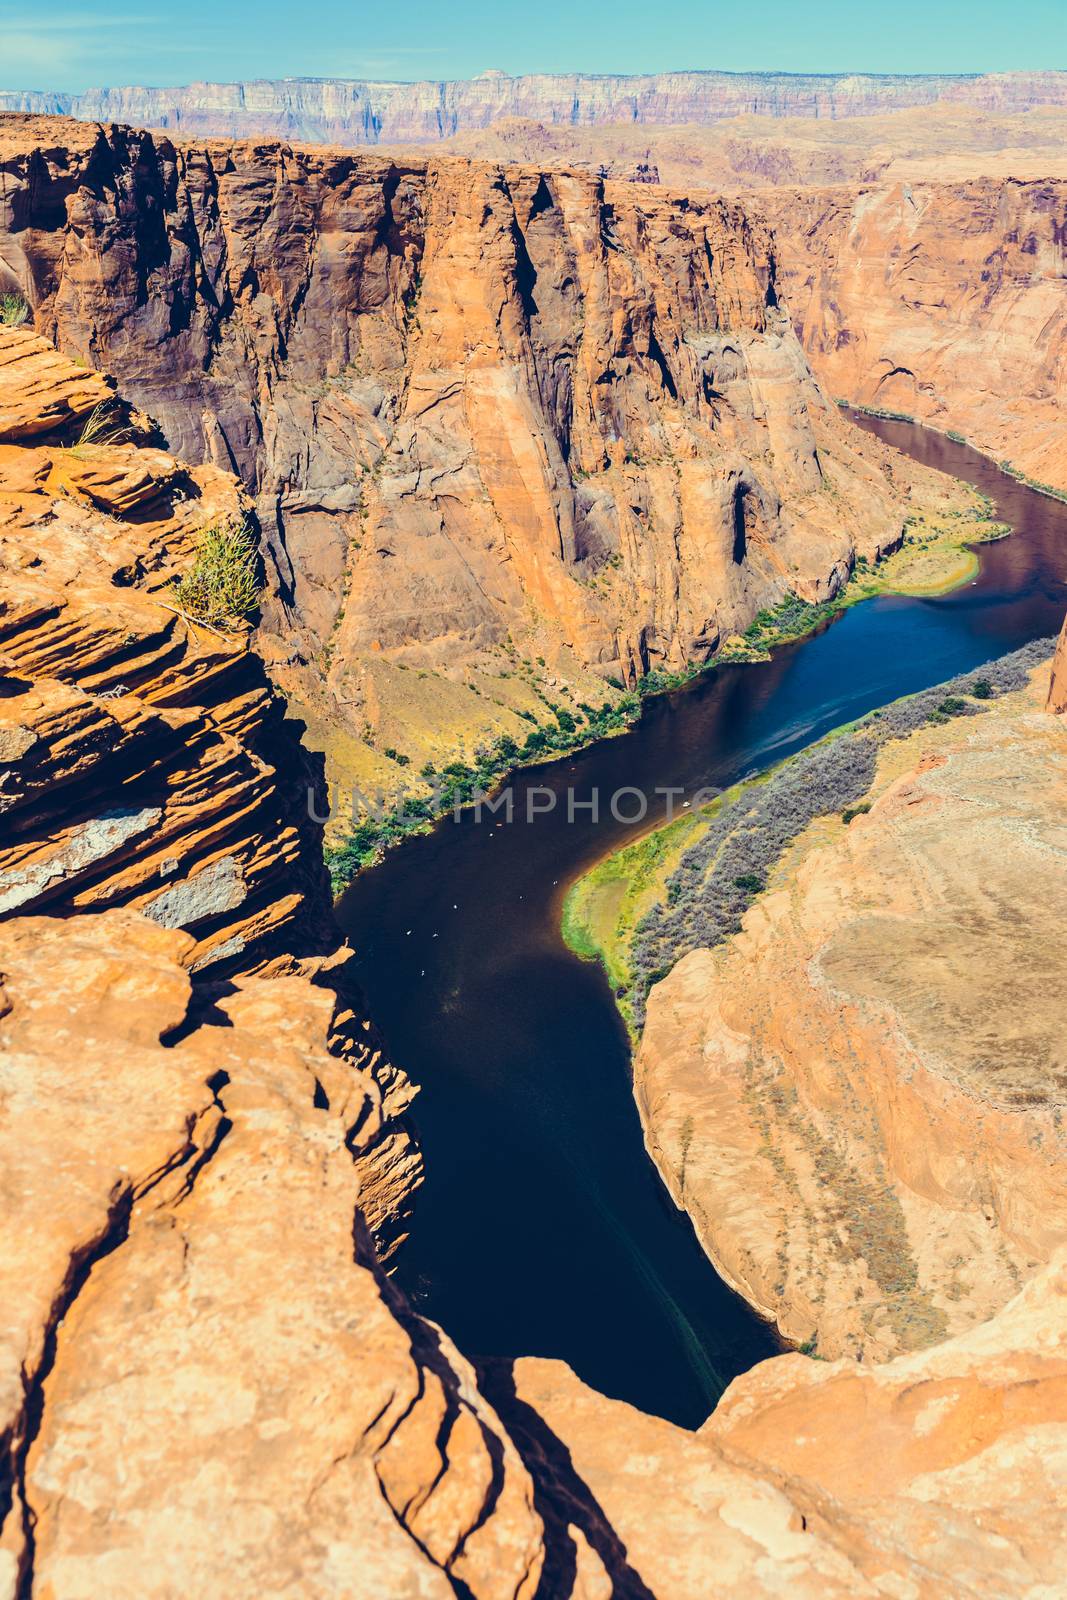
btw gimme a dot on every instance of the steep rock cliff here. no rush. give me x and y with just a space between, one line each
484 411
350 111
858 1099
946 302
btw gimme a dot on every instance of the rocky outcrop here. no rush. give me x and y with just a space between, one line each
206 1384
858 1099
935 1474
353 112
142 752
945 302
145 760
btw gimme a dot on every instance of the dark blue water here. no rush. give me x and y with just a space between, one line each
542 1228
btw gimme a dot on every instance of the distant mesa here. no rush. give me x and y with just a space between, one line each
359 111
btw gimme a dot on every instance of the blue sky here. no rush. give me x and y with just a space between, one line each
52 44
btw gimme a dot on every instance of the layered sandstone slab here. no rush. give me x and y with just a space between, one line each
139 750
501 424
859 1098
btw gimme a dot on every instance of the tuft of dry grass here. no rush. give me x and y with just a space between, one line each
100 428
221 587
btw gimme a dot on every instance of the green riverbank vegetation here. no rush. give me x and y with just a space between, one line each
686 886
932 558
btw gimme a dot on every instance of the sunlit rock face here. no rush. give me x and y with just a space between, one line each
941 301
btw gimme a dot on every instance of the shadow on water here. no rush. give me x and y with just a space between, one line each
542 1228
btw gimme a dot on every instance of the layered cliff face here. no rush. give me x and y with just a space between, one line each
141 753
920 253
493 418
944 302
858 1099
350 111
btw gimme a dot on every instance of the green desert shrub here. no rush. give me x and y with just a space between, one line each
13 310
221 587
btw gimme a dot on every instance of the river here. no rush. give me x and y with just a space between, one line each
542 1228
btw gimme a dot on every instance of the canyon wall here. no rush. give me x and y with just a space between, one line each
946 143
945 302
352 112
858 1099
485 412
920 253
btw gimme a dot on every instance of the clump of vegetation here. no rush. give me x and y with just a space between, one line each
1036 484
460 783
982 689
877 411
852 812
221 587
13 310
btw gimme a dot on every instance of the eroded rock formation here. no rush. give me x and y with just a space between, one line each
934 1474
206 1385
486 413
859 1098
920 253
142 753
